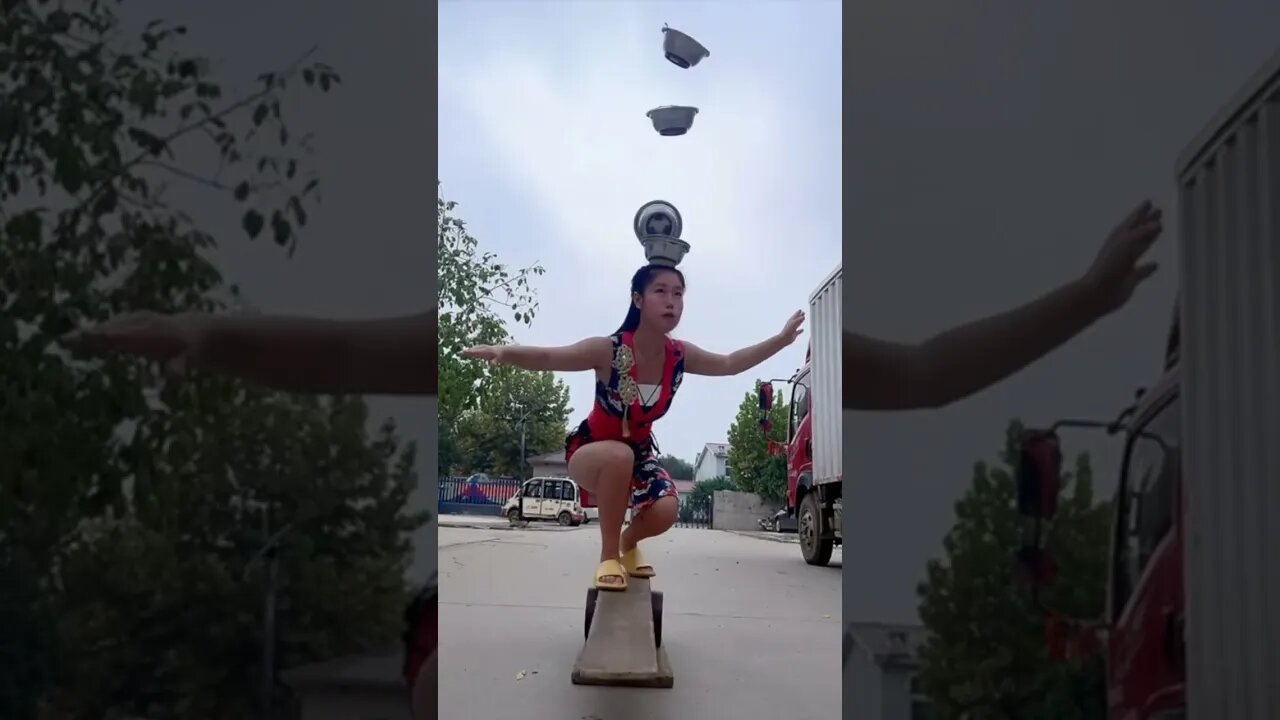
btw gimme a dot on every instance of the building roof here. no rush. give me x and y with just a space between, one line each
889 644
683 486
716 449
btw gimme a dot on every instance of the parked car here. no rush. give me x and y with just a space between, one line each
546 498
781 521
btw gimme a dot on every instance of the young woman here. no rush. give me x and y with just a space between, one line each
399 356
638 370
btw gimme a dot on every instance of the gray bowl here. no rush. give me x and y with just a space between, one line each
682 50
672 120
664 250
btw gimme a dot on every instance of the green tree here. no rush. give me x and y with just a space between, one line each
750 464
473 286
986 654
677 468
168 589
702 495
120 552
517 405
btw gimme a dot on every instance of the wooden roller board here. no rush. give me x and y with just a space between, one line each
624 639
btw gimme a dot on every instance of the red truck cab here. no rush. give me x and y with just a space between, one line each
1143 632
815 505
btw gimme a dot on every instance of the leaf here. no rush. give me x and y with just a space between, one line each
242 191
299 213
309 76
280 228
252 223
260 114
149 142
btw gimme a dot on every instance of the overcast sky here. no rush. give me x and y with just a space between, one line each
545 145
991 147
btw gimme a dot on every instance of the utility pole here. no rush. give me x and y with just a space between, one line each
521 414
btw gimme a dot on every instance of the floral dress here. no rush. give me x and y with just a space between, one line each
619 414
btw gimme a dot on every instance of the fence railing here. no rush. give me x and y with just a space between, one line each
473 496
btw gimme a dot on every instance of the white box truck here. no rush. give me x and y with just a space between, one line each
1192 620
812 448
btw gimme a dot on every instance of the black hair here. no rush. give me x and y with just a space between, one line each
639 283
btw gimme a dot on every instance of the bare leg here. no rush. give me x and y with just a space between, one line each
652 522
604 468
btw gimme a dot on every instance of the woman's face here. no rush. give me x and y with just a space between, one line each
663 301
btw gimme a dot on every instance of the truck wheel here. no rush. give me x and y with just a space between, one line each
815 549
565 518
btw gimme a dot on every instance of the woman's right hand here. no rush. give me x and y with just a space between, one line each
177 341
489 353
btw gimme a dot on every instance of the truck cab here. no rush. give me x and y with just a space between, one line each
799 445
1146 649
1142 634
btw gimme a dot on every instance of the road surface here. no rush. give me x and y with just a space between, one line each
752 631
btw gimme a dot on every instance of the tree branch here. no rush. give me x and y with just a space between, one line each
210 182
523 273
182 130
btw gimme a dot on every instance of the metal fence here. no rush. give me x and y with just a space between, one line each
695 515
475 495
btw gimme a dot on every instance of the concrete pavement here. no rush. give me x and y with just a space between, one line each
752 631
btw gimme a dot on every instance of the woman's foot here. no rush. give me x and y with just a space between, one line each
635 564
611 576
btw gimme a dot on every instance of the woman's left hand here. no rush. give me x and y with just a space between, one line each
1117 270
792 329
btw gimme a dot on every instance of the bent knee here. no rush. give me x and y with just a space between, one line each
617 455
665 508
607 455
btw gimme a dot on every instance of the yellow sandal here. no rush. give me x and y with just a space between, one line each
611 569
635 565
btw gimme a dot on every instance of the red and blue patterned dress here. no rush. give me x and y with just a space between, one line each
620 413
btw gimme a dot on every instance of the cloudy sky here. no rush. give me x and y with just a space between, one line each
991 146
545 145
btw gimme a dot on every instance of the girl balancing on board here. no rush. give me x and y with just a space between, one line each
640 367
399 356
638 370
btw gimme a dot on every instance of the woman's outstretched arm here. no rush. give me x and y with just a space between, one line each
398 355
955 364
700 362
590 354
390 355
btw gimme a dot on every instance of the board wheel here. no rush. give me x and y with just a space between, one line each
592 594
655 601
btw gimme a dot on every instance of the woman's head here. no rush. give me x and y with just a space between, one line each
657 299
